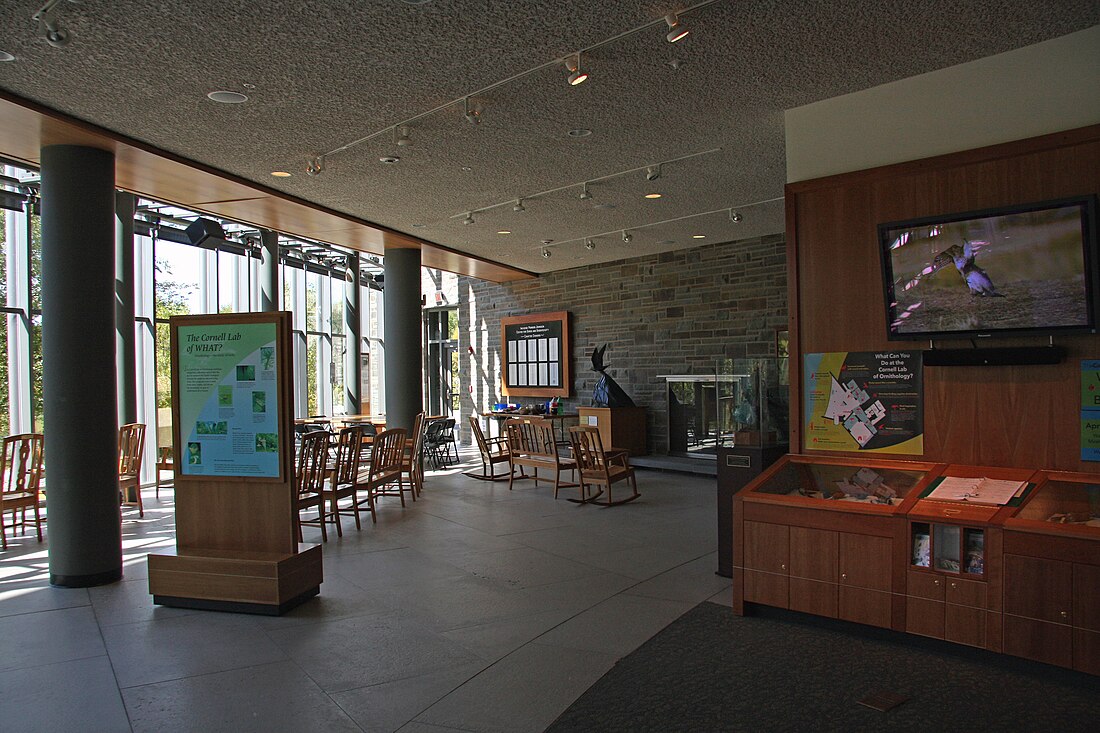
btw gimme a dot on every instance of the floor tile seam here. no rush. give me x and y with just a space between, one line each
114 672
44 610
5 670
200 675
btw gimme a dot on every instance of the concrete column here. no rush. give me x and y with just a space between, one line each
125 338
269 271
353 329
404 383
79 376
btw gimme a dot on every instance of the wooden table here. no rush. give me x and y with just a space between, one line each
502 416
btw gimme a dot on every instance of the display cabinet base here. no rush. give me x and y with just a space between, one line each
237 581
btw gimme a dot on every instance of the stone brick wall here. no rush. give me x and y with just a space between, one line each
671 313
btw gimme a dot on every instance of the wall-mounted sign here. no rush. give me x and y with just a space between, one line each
863 401
1090 410
227 381
535 355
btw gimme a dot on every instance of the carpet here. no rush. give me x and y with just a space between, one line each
781 671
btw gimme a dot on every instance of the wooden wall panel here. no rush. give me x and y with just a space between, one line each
1006 416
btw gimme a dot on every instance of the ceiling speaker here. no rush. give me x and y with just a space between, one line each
201 230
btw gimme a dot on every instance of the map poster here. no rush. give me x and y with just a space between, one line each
228 399
863 401
1090 410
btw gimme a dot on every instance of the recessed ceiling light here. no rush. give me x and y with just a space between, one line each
281 174
603 206
698 236
466 169
580 132
416 2
5 56
667 241
227 97
504 231
418 226
389 159
246 85
653 195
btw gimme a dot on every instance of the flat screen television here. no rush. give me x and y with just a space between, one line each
1014 270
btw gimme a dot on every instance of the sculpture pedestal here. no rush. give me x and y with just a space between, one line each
620 427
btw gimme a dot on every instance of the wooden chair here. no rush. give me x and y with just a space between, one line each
309 480
531 444
20 482
386 462
165 462
493 451
412 461
131 448
344 477
599 467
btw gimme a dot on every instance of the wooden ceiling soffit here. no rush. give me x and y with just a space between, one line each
148 171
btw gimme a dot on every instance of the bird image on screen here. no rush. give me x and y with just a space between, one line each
963 259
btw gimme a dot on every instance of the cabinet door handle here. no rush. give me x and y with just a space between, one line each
1064 614
782 567
844 576
953 586
936 582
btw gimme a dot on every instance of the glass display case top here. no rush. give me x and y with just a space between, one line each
855 483
1064 502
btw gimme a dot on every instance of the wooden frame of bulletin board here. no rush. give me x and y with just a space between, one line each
535 355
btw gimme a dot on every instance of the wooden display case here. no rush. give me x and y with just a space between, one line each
620 427
827 536
1052 572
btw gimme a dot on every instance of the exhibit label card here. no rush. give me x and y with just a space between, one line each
864 401
229 400
1090 410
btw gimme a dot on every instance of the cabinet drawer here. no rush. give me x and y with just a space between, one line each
1038 640
964 625
813 596
965 592
864 606
767 588
924 617
924 585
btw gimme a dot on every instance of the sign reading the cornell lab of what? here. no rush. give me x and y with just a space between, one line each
1090 410
228 399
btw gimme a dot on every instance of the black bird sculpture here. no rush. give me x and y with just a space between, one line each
607 392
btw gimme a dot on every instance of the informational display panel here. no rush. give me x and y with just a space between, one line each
863 401
227 381
535 355
1090 410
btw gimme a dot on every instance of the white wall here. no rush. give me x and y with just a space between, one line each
1039 89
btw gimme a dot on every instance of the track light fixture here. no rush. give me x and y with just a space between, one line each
545 253
585 195
653 172
469 219
50 26
576 76
735 216
627 236
401 135
315 165
589 244
676 30
519 206
472 114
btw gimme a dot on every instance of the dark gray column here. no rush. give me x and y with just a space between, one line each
269 271
79 380
126 341
404 384
353 319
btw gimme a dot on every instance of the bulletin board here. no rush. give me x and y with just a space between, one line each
535 355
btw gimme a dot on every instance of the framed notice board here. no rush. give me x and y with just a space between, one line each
535 355
231 396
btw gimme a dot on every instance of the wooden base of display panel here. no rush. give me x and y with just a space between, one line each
241 581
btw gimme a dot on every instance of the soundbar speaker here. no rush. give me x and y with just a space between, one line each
1000 356
202 229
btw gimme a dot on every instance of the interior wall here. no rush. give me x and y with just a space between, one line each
1026 416
672 313
1039 89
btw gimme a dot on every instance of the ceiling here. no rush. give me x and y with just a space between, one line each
322 76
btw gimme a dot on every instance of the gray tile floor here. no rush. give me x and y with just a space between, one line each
474 609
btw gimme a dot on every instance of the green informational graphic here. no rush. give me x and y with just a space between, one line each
1090 410
863 401
228 388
